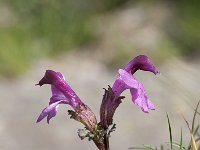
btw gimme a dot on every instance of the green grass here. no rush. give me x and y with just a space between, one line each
194 143
170 132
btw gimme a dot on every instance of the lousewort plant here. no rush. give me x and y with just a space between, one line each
100 132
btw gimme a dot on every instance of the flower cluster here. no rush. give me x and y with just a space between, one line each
62 93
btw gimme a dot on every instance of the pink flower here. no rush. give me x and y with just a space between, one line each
126 80
63 94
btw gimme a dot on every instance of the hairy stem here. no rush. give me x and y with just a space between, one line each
102 143
106 141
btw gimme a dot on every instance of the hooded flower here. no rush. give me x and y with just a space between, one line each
63 94
126 80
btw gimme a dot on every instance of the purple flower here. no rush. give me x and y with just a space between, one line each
125 80
63 94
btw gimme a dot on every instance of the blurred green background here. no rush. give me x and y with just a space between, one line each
32 29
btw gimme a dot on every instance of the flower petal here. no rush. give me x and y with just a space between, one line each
47 111
140 98
118 87
52 113
124 81
140 62
128 79
150 105
50 77
57 96
60 87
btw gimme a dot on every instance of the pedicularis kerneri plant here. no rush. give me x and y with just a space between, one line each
99 133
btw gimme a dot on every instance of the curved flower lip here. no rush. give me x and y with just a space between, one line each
141 62
61 94
140 98
123 82
57 79
128 79
50 111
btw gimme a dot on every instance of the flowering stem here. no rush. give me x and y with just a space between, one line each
102 143
100 132
106 141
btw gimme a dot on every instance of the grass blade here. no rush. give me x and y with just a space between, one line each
145 147
197 140
139 148
193 144
192 132
181 141
176 144
161 147
198 113
170 131
194 117
196 130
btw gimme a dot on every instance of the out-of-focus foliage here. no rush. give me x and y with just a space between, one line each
36 28
184 31
178 31
46 27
